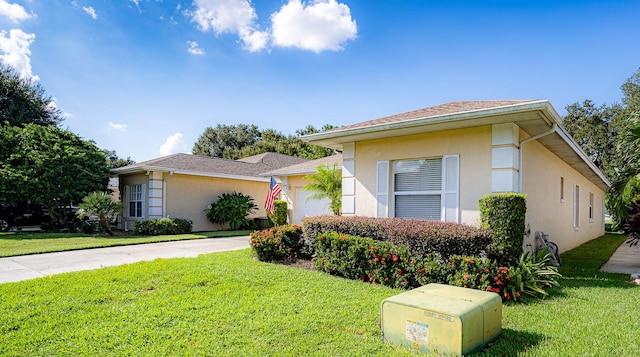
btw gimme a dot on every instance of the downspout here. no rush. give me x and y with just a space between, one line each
553 129
164 193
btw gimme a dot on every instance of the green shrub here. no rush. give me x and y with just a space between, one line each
163 226
277 243
431 269
504 214
530 276
232 209
422 238
364 259
279 216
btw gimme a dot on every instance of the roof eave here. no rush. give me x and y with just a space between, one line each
335 138
145 169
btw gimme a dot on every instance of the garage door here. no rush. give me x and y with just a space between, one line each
311 207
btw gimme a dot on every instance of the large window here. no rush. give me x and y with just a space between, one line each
136 200
419 189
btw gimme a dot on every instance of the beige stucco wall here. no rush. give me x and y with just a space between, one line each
541 181
541 178
472 144
188 195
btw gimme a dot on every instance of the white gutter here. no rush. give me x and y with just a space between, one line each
553 129
164 193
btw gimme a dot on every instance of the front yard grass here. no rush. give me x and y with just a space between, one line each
22 243
227 304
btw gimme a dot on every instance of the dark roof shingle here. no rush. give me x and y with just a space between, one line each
251 166
438 110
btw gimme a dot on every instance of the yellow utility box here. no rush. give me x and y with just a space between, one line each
442 318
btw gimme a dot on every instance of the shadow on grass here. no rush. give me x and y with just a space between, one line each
512 343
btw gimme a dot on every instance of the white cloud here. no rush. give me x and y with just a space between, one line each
173 145
119 127
16 51
194 48
318 26
91 11
137 3
14 12
230 16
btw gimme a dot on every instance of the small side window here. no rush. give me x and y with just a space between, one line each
561 189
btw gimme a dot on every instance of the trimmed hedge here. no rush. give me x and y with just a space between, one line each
364 259
422 238
162 226
278 243
504 214
279 216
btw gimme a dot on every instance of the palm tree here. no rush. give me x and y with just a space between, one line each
326 183
101 205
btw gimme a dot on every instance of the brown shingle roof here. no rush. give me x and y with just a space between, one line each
307 167
213 165
438 110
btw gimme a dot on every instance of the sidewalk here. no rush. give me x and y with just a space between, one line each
37 265
625 260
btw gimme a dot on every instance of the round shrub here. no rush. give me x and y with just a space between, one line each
277 243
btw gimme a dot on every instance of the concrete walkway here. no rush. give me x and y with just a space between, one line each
37 265
625 260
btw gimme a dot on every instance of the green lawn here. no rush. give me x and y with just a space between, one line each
17 243
229 304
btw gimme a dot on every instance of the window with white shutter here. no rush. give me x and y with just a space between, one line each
424 188
382 190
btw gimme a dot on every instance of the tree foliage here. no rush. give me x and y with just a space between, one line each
25 102
238 141
610 135
326 183
596 129
215 141
49 165
114 161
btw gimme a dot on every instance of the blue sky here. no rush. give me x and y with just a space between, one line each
147 77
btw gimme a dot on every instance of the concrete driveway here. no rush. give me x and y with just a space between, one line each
37 265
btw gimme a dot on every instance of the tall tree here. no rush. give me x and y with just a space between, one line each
238 141
214 141
114 161
596 129
326 183
48 165
25 102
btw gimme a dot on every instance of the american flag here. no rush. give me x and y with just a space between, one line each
274 191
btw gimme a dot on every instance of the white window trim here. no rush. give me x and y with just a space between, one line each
591 206
127 195
576 207
382 189
443 192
